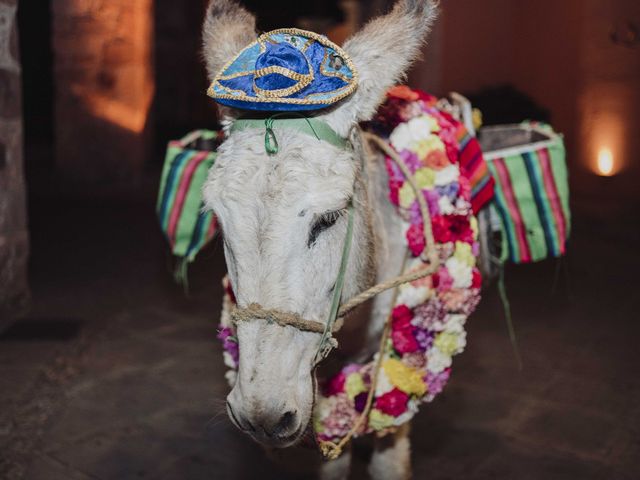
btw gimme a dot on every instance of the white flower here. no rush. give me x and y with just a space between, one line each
324 406
454 323
445 205
231 377
383 385
462 206
462 342
412 296
461 273
413 405
406 135
437 361
447 175
228 360
404 418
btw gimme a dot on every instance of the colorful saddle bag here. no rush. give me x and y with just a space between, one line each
186 226
527 162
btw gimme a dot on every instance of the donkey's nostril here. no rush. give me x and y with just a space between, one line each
283 427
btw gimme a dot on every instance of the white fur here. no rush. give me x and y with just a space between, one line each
267 205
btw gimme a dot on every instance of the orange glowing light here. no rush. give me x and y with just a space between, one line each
605 162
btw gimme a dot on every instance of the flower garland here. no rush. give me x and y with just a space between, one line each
427 320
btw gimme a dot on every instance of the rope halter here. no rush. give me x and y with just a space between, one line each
323 132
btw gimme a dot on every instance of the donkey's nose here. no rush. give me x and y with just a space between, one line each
281 426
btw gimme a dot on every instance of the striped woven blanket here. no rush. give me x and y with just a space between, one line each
532 190
185 225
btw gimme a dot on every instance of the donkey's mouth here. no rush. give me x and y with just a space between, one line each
286 441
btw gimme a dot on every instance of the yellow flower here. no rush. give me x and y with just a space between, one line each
425 178
432 142
464 254
318 426
379 420
404 378
477 118
447 343
406 195
354 385
474 227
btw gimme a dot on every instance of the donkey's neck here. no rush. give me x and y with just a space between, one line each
390 244
389 249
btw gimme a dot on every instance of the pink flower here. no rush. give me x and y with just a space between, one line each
416 360
462 301
411 160
445 281
415 238
465 188
429 314
340 420
437 381
230 343
455 299
393 403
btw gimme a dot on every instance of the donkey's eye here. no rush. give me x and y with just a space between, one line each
326 221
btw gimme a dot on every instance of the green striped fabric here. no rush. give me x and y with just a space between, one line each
187 227
532 193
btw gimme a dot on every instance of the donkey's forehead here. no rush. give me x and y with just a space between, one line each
304 170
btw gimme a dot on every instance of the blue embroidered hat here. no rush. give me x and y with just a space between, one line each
286 70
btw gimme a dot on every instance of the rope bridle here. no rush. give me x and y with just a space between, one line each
338 312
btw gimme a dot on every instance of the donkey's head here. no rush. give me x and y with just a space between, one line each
284 217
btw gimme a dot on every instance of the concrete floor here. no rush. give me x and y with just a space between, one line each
133 388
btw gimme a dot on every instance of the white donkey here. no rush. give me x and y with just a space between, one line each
284 228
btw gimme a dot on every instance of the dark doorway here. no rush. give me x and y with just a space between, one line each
34 27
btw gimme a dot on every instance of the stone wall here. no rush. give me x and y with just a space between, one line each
104 88
14 239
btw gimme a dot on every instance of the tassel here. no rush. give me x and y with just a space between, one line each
507 314
181 274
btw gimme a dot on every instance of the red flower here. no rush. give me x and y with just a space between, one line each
404 341
394 191
335 385
415 238
476 281
452 228
402 315
402 330
393 403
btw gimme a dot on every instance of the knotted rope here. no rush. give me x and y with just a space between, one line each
337 313
332 450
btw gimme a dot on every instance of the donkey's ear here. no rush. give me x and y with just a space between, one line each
227 29
382 52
